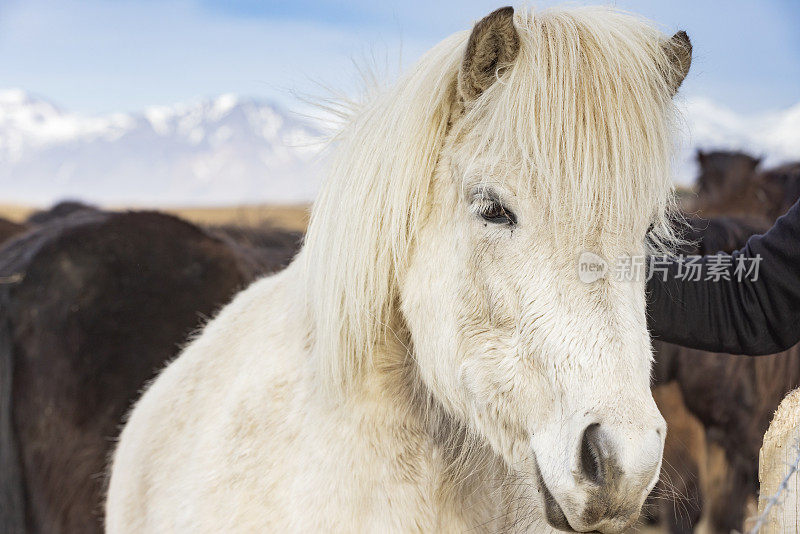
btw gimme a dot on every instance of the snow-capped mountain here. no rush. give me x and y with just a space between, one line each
221 151
234 150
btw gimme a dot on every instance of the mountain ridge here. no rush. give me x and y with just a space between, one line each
233 150
212 151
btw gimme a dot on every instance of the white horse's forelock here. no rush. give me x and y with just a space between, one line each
584 115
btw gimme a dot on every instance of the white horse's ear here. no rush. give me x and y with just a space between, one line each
678 49
492 46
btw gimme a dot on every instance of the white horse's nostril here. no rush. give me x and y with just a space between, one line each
593 456
616 466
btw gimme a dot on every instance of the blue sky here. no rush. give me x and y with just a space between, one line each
120 55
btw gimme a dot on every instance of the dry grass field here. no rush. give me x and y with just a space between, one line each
15 212
292 217
289 216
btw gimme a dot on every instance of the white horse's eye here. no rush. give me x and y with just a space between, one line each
494 212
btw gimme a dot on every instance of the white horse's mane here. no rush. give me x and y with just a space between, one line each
579 72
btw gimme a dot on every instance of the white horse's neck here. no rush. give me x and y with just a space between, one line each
437 477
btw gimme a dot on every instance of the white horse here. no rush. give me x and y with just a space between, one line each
431 362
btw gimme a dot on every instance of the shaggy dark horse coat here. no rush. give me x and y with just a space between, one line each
734 397
93 305
9 229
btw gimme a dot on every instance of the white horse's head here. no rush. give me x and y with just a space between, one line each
459 205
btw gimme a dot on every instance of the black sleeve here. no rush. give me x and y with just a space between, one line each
740 314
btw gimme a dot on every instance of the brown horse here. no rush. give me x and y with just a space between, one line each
93 305
782 186
733 396
677 499
725 182
731 184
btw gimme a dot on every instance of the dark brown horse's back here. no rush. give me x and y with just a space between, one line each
95 305
722 234
9 229
59 210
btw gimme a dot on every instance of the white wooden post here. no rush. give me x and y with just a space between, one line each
779 498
